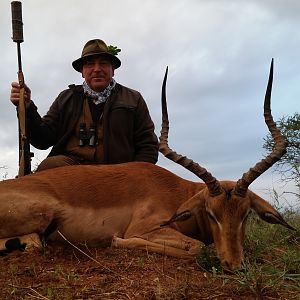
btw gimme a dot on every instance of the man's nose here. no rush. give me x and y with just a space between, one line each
97 67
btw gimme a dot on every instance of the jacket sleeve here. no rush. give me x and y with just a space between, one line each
146 142
44 131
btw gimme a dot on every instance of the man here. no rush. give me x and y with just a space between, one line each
99 122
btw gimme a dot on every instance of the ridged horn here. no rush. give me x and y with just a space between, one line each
278 151
211 182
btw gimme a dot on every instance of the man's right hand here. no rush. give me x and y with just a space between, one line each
15 94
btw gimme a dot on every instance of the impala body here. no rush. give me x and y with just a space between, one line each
139 205
126 204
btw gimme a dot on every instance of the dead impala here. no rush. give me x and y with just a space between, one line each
139 205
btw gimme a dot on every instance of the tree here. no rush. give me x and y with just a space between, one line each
289 165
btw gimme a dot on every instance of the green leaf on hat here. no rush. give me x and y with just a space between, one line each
114 50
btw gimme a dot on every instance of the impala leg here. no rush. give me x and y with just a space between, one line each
26 242
164 241
173 238
21 223
139 243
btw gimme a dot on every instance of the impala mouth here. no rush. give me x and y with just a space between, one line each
231 268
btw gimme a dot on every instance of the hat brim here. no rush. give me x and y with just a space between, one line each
78 63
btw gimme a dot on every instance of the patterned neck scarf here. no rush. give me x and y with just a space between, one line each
98 97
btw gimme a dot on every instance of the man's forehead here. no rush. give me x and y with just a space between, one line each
97 58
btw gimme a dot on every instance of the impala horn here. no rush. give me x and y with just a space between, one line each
211 182
278 151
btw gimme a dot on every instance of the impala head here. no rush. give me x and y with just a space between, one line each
227 214
226 203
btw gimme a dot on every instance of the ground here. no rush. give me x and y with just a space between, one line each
66 273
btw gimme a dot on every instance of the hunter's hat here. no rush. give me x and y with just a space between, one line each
97 47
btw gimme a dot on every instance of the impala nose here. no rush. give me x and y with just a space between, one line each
230 266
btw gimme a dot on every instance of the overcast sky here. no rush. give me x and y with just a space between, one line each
218 53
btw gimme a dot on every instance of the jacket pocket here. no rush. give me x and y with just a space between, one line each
121 120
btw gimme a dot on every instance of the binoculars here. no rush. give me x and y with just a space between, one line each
87 136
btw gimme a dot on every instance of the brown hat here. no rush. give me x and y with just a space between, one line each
97 47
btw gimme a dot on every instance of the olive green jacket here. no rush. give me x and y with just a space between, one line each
128 128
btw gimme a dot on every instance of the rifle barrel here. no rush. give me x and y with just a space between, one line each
19 58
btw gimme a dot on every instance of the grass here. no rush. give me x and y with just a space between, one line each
208 260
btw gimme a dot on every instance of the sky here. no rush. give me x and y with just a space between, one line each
218 53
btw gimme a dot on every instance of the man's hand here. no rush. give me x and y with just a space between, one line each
15 94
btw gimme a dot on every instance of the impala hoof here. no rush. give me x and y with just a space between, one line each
23 243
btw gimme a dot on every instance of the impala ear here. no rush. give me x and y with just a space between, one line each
186 210
185 215
267 212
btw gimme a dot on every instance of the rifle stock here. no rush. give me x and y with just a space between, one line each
24 145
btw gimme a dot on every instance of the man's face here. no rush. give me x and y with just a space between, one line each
97 72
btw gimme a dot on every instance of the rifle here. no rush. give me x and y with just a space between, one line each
24 145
